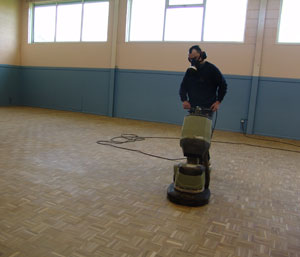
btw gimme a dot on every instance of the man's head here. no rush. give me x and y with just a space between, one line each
196 54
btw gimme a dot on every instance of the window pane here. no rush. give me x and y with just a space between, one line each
44 23
184 24
95 21
147 19
185 2
68 22
289 22
225 20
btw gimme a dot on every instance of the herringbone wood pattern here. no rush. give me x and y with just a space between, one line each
61 194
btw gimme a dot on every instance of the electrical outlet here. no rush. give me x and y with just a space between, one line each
243 125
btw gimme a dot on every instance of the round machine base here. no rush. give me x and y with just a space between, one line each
188 199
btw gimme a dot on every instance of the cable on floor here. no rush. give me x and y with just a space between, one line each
264 139
128 138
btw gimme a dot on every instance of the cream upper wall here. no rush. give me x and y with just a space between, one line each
79 55
150 56
278 60
10 32
173 56
231 58
87 55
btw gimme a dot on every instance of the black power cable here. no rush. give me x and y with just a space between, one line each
264 139
215 123
128 138
260 146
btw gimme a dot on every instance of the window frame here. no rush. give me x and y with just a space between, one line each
31 19
167 6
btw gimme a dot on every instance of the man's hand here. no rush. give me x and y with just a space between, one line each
186 105
215 106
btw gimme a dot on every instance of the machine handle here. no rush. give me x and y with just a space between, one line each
200 111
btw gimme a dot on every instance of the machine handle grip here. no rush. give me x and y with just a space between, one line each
199 110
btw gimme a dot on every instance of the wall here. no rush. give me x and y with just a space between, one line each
74 89
275 97
279 86
82 55
9 31
146 82
153 96
9 51
67 76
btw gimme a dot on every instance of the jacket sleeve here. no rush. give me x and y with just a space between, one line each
183 88
221 85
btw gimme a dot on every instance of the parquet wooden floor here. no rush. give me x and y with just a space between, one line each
61 194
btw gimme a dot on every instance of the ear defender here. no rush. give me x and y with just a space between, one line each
203 55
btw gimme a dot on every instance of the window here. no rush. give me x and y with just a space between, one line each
186 20
181 23
44 25
289 22
225 20
70 21
142 25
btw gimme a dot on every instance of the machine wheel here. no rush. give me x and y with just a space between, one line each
188 199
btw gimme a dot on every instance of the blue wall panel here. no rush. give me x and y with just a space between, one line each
148 95
235 104
9 85
277 108
153 96
84 90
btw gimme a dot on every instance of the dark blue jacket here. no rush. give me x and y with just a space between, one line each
204 86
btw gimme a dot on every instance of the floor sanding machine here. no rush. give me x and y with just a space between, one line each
191 178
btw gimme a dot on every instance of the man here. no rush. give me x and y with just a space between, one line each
203 84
